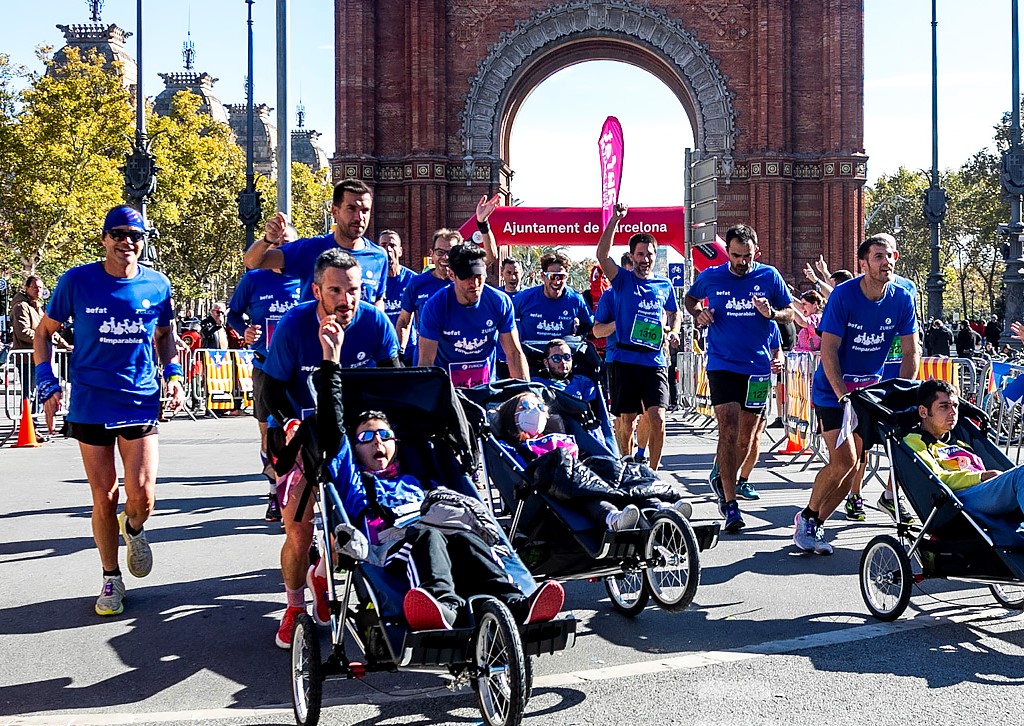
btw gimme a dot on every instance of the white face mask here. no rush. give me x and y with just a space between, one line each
531 421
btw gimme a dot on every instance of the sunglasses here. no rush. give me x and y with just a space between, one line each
556 275
120 235
528 405
559 357
365 437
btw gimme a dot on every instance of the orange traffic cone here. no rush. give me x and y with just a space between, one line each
27 430
792 447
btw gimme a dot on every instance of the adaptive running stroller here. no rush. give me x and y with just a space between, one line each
951 543
491 653
660 558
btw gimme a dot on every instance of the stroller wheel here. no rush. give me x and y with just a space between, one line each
500 668
307 672
885 577
1009 595
673 560
628 593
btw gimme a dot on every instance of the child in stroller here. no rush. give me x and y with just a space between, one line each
443 567
521 425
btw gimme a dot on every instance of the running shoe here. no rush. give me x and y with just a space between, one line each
733 519
889 505
111 599
425 612
628 518
776 424
140 554
803 532
683 507
318 588
287 627
821 545
273 509
545 602
641 459
745 490
855 508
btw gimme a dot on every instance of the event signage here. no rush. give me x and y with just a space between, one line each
610 151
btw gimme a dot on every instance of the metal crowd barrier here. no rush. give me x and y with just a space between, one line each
17 376
216 381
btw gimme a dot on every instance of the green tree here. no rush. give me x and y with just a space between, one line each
61 159
311 199
195 207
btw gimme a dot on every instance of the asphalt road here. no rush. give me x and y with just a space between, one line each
774 636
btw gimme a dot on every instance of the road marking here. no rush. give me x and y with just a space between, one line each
689 661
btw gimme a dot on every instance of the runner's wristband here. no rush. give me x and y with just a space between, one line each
46 383
483 226
173 370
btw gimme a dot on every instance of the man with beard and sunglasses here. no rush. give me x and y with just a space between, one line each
644 308
350 208
295 354
743 298
122 313
552 309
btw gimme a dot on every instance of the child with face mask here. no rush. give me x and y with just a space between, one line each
525 431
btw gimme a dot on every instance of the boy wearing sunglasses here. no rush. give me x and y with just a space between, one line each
552 309
122 312
558 365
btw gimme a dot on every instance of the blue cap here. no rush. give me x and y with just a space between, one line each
123 216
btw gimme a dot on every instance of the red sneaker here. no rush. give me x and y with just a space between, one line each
318 588
545 602
284 633
424 612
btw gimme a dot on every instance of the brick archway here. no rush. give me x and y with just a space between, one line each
584 30
426 91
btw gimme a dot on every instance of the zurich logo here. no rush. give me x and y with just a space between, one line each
361 355
490 323
757 288
888 321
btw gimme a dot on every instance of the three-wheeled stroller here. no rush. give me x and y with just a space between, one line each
660 558
951 543
490 652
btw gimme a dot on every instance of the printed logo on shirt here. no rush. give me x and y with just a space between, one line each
280 306
649 305
124 330
743 305
469 346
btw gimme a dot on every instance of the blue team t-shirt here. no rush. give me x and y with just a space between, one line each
420 289
113 372
639 324
296 353
467 335
738 337
300 257
394 293
265 296
867 329
540 318
576 386
894 360
605 313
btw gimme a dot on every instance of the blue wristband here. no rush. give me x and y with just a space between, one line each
46 383
173 369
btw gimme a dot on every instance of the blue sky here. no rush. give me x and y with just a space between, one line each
559 123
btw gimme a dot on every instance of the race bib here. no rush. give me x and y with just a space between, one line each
854 382
467 375
758 388
895 351
646 331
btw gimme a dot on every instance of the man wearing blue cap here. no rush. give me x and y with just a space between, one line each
121 311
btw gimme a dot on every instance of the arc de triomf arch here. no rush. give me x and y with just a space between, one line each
427 91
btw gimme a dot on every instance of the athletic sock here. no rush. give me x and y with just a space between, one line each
741 481
116 572
297 597
809 513
130 529
640 451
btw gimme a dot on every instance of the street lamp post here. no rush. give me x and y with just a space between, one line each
140 167
249 202
935 196
1012 178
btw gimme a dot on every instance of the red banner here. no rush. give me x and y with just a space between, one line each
610 152
572 226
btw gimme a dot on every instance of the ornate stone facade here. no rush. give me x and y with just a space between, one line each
108 40
200 84
264 136
773 88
